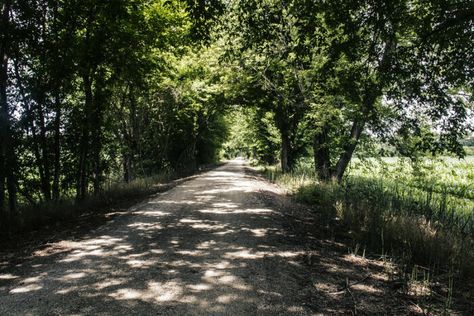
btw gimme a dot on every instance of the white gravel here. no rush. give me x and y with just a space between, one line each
210 246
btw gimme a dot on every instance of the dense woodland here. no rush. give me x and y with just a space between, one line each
94 92
100 92
362 109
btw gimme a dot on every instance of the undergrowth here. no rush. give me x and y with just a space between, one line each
423 213
113 195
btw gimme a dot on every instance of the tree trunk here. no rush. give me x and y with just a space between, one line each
2 186
285 154
96 141
322 158
127 168
281 120
83 168
348 150
57 150
46 178
356 131
6 137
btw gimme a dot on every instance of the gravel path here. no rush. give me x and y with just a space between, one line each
210 246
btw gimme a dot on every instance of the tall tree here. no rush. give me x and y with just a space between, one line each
7 146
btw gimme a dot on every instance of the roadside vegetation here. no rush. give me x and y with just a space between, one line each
417 214
100 101
98 98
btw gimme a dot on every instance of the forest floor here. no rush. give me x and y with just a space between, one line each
225 242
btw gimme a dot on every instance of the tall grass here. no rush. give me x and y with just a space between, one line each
423 212
115 194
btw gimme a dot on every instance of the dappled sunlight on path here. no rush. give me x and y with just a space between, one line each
208 246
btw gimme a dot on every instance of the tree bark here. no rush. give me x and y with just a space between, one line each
6 137
348 150
286 150
40 157
57 150
285 154
96 132
358 126
127 168
322 157
46 178
82 180
2 185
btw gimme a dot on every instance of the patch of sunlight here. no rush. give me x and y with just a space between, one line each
32 279
157 251
241 287
366 288
95 248
102 240
295 309
174 241
211 273
200 287
26 289
227 279
140 263
74 276
223 265
66 291
225 232
199 224
288 254
192 253
126 294
105 284
226 299
180 263
247 254
270 293
257 232
243 189
204 198
145 226
152 213
234 211
171 202
324 286
206 244
123 248
225 205
164 292
8 277
244 254
133 256
334 268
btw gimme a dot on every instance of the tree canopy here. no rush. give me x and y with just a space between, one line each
99 91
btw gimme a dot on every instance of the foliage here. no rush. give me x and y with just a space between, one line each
337 70
420 211
103 92
253 135
264 39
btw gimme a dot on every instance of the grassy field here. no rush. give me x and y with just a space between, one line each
420 212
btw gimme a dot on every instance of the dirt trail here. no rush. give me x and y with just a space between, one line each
215 245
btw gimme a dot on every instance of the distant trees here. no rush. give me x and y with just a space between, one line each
266 39
401 71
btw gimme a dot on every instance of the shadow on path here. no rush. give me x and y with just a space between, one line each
208 246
